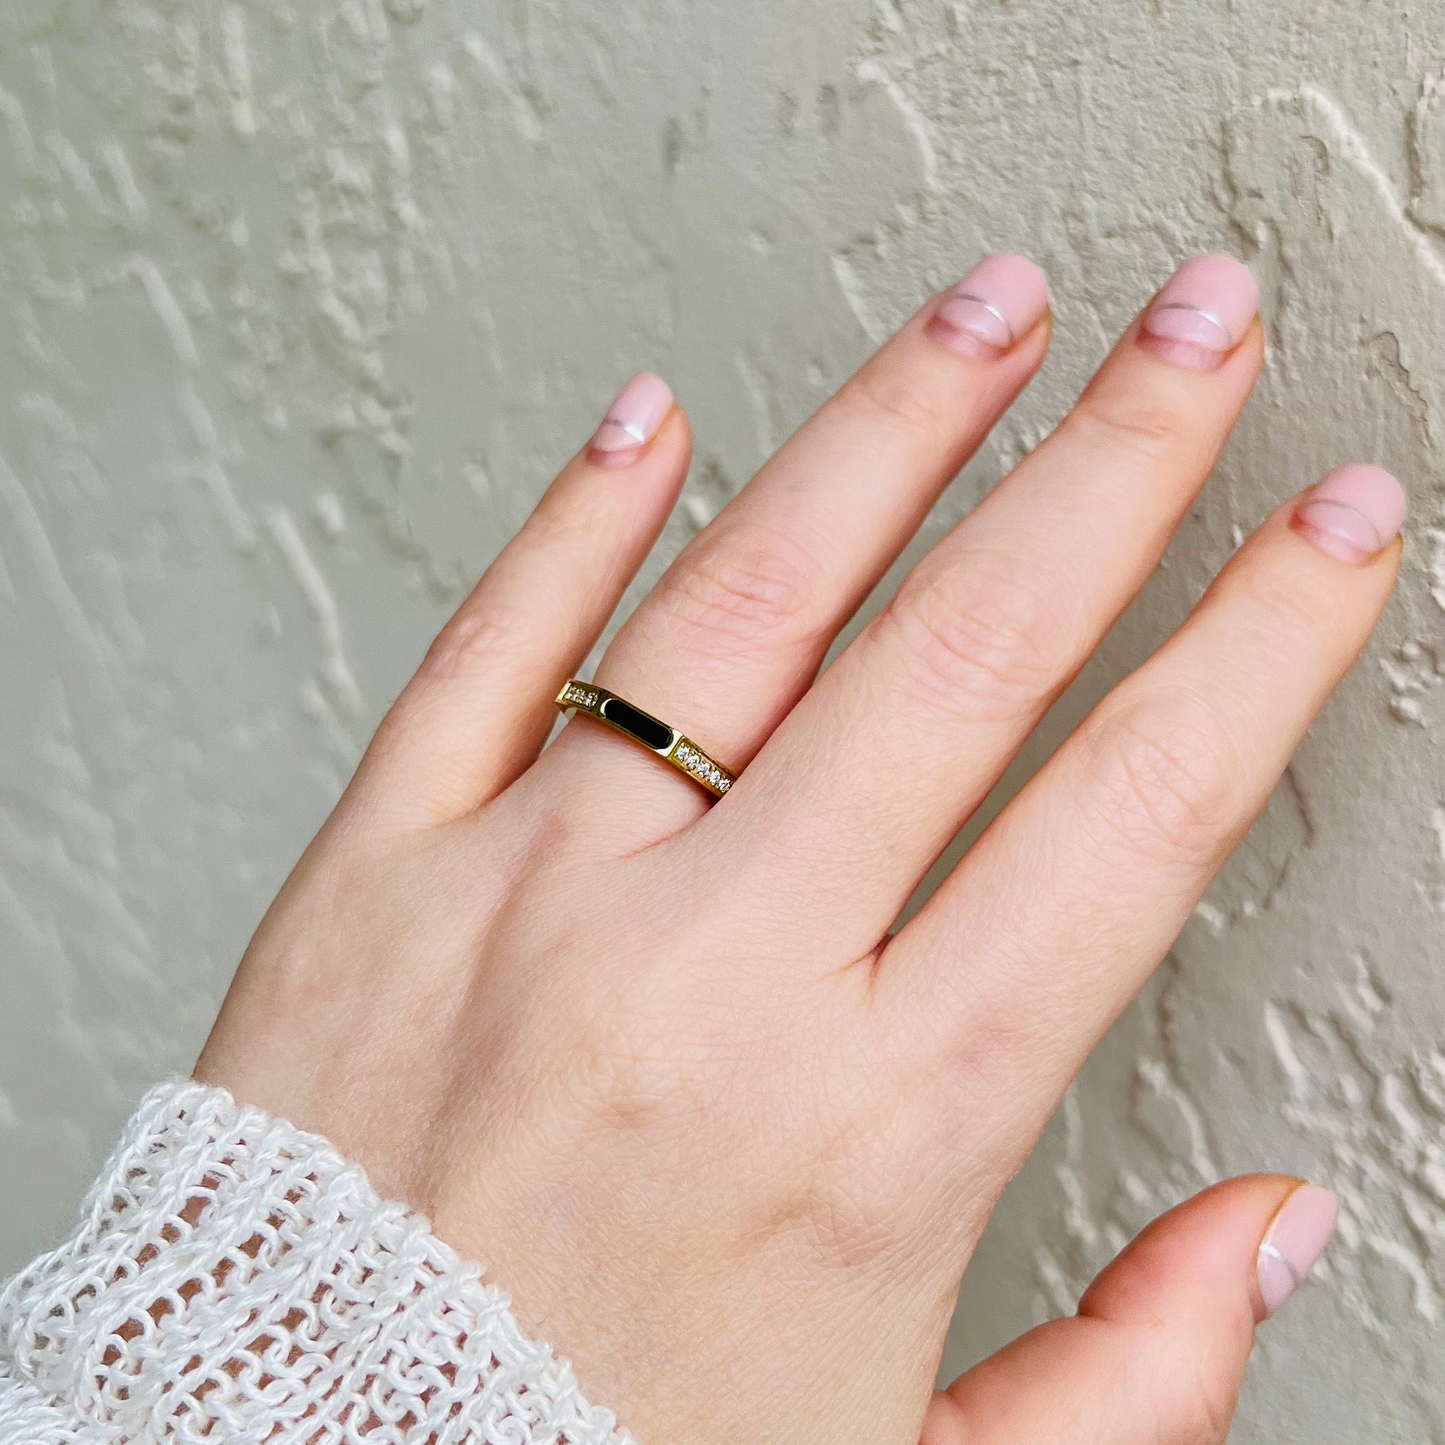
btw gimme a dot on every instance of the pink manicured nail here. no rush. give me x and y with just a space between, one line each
1202 313
1002 299
632 420
1353 513
1295 1241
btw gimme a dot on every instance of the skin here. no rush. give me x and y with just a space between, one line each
660 1064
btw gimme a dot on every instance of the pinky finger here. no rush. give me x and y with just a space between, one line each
479 708
1157 1352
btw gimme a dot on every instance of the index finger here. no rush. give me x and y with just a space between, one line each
1057 915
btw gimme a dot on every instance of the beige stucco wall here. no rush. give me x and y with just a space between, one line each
303 300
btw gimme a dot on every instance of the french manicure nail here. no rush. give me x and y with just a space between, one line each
1354 513
1202 313
1001 300
632 420
1296 1239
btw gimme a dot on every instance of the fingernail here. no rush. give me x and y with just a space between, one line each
1294 1243
1354 513
1202 313
1001 300
632 420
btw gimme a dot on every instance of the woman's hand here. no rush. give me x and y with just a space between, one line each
659 1063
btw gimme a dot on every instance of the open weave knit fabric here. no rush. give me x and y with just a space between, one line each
235 1280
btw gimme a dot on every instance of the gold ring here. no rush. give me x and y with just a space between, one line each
646 731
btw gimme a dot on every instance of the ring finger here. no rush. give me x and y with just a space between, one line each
736 629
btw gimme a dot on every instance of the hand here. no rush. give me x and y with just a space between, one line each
659 1064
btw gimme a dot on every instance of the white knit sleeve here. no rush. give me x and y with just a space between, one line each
235 1280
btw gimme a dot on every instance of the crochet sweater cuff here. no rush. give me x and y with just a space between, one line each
234 1279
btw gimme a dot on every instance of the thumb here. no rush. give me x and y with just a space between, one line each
1157 1352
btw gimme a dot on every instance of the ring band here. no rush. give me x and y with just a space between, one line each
647 732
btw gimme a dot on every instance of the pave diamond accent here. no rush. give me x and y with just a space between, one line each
579 696
702 767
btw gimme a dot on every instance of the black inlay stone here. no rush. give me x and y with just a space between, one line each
647 730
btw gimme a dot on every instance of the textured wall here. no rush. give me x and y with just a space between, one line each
302 304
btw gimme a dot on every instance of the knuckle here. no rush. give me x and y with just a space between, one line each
1204 1399
903 402
998 643
1213 1415
1287 620
474 633
1123 422
1167 776
742 594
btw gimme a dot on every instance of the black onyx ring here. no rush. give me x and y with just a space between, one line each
647 732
